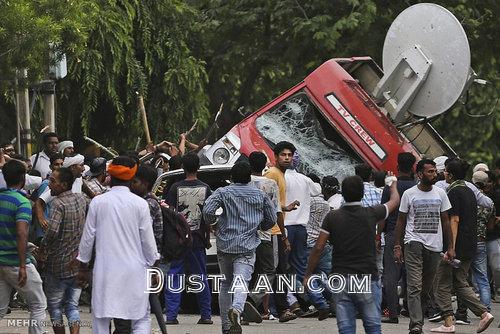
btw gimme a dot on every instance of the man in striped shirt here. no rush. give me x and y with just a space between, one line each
245 210
16 270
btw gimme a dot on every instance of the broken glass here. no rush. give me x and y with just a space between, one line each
322 151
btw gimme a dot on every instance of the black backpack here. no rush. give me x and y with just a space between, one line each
177 239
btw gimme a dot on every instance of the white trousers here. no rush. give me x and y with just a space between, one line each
139 326
32 293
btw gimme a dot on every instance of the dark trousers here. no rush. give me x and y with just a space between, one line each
393 272
448 278
421 265
122 326
280 300
264 264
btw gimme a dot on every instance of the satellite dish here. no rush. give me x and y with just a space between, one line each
426 60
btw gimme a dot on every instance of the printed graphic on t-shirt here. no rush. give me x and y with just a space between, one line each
427 215
190 203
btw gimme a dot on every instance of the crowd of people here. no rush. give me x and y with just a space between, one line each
69 222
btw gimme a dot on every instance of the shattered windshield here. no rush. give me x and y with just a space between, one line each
321 149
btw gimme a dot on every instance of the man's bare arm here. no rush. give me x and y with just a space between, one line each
450 224
39 209
22 242
398 240
449 234
316 252
400 228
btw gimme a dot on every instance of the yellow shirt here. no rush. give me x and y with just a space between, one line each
277 175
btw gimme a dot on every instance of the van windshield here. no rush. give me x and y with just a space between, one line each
321 149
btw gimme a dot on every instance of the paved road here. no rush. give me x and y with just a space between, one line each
300 326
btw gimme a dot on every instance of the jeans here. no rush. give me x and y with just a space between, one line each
32 292
480 274
449 278
367 304
493 249
297 236
196 260
234 266
62 294
421 265
324 268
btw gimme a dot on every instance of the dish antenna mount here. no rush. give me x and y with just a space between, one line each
426 60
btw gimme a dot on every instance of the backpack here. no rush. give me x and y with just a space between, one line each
177 239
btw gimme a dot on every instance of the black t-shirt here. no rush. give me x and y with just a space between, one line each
464 205
187 198
404 183
352 235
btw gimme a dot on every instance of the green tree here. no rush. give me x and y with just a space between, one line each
136 47
31 30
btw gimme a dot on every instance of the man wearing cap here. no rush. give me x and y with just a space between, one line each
440 165
486 182
119 223
66 148
480 167
485 225
98 175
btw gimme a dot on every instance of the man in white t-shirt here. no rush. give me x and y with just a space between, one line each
423 221
41 161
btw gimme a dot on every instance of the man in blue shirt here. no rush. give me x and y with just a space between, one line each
246 209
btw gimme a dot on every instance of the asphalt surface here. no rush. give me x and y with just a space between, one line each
187 324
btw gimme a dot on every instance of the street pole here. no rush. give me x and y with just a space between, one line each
23 113
49 105
18 120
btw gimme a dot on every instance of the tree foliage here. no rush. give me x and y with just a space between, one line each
138 47
31 30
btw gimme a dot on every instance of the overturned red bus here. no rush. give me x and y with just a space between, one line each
333 122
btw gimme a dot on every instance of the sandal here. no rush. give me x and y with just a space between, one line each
287 316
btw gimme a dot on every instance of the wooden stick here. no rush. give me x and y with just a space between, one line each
192 128
142 110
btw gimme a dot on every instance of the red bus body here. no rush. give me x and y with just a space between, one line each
347 108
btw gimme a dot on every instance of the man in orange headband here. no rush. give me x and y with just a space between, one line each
122 173
122 254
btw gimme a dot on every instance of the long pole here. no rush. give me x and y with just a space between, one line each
18 119
49 105
142 110
23 107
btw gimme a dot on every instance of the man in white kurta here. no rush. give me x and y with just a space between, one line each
120 225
